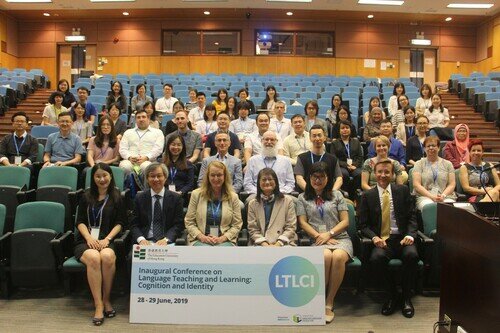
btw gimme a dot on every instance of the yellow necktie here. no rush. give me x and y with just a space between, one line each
385 230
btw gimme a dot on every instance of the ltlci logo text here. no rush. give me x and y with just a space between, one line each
140 253
294 281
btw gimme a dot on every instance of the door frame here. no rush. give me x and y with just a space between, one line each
58 55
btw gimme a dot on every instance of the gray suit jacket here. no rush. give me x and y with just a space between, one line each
232 163
282 224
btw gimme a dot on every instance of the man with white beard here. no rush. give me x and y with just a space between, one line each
269 158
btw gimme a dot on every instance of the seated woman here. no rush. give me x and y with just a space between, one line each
116 95
68 97
181 171
231 108
398 116
473 179
119 124
100 217
141 98
406 129
399 89
213 217
345 115
433 176
271 215
271 98
374 103
424 102
349 152
150 110
439 119
208 124
331 114
103 147
311 110
52 110
243 95
456 151
415 145
323 215
81 126
372 128
368 180
220 102
192 100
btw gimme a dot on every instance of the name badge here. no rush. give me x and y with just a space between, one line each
349 161
17 159
322 228
94 232
171 188
214 231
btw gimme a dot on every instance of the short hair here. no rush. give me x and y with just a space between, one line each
422 116
244 105
155 165
315 127
385 121
314 104
382 138
268 172
168 85
62 81
432 138
475 142
65 113
224 133
297 116
83 88
148 103
263 113
223 113
20 113
345 123
200 93
280 102
52 97
140 111
243 90
139 86
193 89
384 161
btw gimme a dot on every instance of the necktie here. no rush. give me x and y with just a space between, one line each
386 215
157 220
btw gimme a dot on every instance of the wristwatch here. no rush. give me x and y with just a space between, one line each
332 233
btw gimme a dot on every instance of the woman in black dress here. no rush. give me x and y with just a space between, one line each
101 216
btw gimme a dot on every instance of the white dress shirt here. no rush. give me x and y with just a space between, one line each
136 142
282 127
165 104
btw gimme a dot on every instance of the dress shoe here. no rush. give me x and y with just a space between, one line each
407 309
98 321
110 314
329 315
389 307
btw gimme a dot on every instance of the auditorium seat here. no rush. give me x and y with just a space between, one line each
14 182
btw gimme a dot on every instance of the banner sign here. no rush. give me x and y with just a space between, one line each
227 285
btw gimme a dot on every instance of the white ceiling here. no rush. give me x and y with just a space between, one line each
410 6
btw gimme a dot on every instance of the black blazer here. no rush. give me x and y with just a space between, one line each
355 150
29 149
414 149
172 215
370 213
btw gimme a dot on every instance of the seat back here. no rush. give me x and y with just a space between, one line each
63 175
43 131
429 217
15 176
458 186
39 155
40 214
118 175
3 213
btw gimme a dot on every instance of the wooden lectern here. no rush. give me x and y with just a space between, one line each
470 271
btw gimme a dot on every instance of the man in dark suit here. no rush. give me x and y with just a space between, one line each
19 148
158 214
387 217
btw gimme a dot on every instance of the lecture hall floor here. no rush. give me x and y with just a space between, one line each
354 314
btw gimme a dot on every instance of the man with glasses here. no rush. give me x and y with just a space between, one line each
166 103
19 148
233 164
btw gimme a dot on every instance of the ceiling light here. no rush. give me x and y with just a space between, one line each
289 13
216 43
126 13
448 19
29 1
425 42
206 12
370 16
46 14
470 5
381 2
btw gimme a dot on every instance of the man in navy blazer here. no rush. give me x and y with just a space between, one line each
396 240
142 228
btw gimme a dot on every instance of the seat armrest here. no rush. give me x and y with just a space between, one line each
294 194
182 239
243 196
423 238
5 247
243 238
62 246
26 196
121 243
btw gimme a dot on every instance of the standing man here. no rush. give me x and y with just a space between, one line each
387 218
158 215
63 148
140 145
223 125
192 139
166 103
19 148
317 153
279 124
298 142
233 164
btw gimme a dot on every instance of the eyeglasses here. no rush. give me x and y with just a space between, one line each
318 177
421 124
267 180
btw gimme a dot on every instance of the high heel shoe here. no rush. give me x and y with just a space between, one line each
329 317
98 321
110 313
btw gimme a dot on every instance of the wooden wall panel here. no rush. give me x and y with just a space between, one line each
321 66
8 60
496 45
125 65
291 65
448 68
346 66
149 64
204 64
485 65
263 65
47 64
175 64
233 65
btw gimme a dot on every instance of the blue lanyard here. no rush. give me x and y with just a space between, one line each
208 127
15 144
101 154
411 131
434 172
278 129
97 215
215 210
173 173
264 160
421 147
140 136
347 150
320 209
320 158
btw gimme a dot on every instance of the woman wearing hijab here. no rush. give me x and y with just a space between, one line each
456 151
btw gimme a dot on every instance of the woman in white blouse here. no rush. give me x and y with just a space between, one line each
399 89
424 102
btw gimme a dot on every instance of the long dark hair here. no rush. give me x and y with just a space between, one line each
428 86
336 95
99 136
219 101
441 107
209 107
310 193
67 83
73 109
268 172
346 109
397 85
181 162
92 195
267 99
153 115
370 107
112 93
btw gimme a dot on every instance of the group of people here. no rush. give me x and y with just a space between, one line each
271 158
